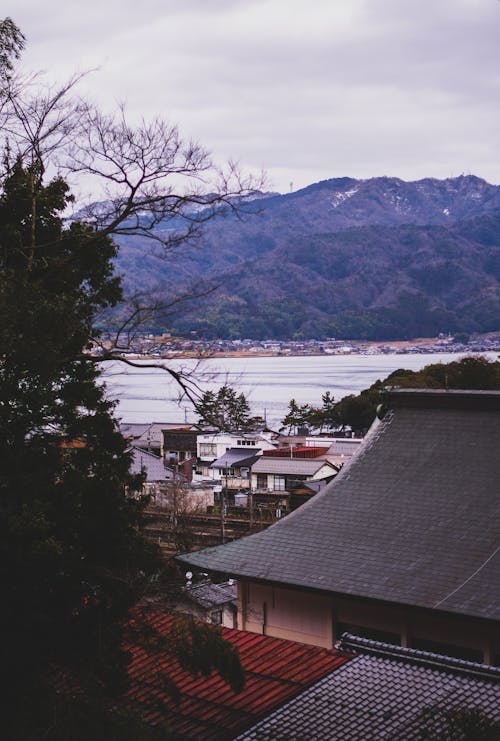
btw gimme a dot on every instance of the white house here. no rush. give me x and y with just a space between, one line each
213 445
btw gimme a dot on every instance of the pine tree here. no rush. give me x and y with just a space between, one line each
11 44
224 410
297 416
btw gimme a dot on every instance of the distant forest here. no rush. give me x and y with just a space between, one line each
379 259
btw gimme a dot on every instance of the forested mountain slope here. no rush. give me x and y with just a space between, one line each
377 258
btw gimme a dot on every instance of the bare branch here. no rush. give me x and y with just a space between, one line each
138 310
186 380
151 182
150 177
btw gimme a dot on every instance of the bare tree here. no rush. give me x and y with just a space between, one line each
151 183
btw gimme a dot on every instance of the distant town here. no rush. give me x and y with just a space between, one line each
167 346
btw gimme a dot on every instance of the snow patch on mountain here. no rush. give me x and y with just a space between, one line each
341 196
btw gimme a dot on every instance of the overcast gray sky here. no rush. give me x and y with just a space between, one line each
306 89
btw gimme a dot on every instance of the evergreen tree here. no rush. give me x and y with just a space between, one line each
324 416
297 416
358 410
225 410
73 560
11 44
71 551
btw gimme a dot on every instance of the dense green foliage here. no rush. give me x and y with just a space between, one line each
200 649
71 552
298 415
358 411
225 410
11 44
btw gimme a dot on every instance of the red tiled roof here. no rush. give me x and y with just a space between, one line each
207 708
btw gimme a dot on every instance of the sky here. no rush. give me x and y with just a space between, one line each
305 89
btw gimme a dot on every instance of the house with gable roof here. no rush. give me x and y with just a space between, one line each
402 546
274 478
158 477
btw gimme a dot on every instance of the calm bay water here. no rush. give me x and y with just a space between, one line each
150 395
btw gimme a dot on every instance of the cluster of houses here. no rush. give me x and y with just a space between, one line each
386 581
257 471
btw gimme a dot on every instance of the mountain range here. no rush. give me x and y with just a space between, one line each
361 259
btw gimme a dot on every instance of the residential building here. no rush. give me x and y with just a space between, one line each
179 449
158 477
361 689
209 602
402 546
147 436
213 445
273 479
233 468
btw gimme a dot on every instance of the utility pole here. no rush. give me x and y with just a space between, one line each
222 507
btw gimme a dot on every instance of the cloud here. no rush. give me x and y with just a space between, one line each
309 90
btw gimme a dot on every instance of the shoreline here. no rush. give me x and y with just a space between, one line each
423 346
158 348
359 347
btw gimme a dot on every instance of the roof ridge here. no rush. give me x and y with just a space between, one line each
360 645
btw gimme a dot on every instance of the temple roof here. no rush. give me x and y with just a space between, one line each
389 692
413 518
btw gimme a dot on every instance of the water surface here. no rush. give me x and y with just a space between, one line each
150 394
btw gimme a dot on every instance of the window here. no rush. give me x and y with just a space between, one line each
279 483
262 481
208 449
216 617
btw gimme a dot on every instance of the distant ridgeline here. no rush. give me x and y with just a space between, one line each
359 259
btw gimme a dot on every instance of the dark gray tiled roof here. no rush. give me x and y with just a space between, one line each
210 595
153 465
299 466
382 697
239 456
348 446
314 485
414 518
